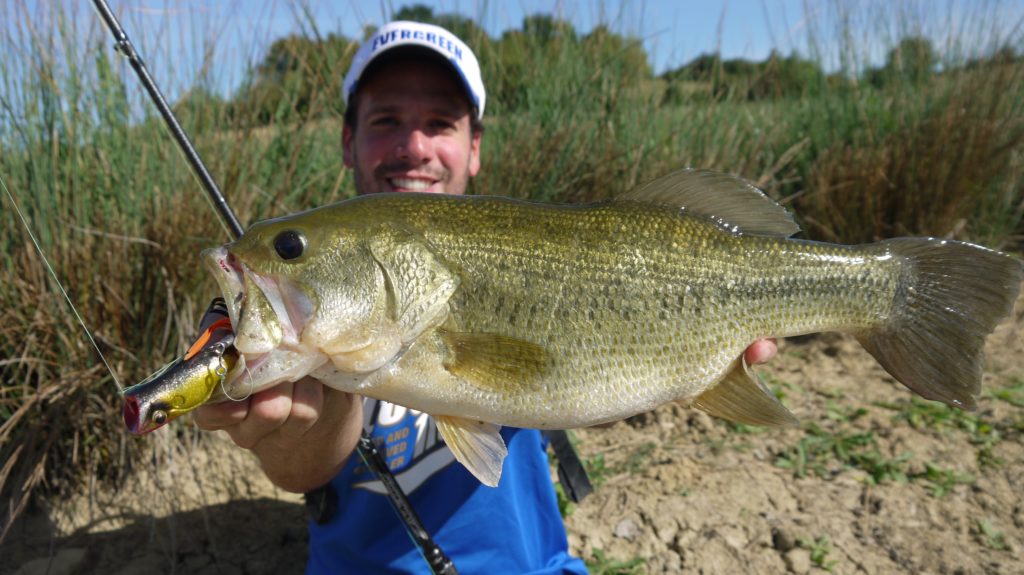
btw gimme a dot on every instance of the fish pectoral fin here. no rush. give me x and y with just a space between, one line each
741 397
729 201
495 362
476 444
418 284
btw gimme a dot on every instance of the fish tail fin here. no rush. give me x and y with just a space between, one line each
952 296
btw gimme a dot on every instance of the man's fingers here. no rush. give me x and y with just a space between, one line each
212 417
761 351
268 410
307 405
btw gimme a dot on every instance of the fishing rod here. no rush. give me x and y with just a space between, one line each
439 563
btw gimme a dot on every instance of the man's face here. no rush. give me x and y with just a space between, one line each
412 132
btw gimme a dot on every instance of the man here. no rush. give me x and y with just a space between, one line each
413 124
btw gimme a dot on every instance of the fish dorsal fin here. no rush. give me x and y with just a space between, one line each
495 362
475 444
731 202
418 284
740 397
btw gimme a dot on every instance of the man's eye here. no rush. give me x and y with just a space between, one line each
441 124
384 121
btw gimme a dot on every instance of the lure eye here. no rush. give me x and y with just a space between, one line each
289 244
159 417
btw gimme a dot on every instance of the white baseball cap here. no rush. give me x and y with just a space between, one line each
404 33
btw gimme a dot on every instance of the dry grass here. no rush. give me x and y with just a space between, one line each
121 219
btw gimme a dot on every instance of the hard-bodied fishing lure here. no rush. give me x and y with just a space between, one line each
188 381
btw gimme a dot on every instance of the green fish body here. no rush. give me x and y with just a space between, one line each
486 311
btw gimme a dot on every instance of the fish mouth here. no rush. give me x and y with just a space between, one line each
228 276
290 304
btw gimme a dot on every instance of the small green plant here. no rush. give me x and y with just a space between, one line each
1012 394
638 459
565 505
597 470
942 481
825 454
842 413
923 414
600 564
819 548
989 536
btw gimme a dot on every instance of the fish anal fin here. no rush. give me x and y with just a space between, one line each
476 444
740 397
731 202
495 362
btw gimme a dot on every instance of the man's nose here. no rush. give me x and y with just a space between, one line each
416 147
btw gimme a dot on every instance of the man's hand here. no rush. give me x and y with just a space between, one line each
302 432
761 351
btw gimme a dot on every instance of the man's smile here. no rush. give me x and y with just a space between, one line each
411 184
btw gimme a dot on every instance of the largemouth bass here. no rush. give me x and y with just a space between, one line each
485 311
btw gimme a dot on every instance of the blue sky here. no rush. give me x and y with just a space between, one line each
673 31
173 34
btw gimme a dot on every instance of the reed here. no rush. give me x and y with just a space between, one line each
572 116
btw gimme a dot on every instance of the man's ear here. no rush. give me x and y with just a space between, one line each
347 146
474 152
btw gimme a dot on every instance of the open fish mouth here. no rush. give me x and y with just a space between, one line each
290 305
228 277
272 351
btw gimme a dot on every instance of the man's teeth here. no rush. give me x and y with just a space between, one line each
410 183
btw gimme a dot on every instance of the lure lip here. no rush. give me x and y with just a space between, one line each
131 414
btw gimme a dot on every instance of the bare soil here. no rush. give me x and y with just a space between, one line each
872 482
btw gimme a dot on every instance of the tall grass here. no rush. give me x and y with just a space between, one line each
569 119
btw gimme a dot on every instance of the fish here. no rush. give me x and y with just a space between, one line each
486 311
185 383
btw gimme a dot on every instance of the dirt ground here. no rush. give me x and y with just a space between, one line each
872 482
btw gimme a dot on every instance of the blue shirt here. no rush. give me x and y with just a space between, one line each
513 528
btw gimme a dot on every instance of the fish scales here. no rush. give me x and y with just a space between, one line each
486 311
562 276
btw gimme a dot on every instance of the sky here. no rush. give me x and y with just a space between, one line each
174 36
170 34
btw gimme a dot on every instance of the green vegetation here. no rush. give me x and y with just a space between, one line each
981 432
819 548
942 481
1012 394
989 536
905 147
600 564
826 453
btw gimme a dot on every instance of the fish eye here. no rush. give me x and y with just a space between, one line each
290 244
159 417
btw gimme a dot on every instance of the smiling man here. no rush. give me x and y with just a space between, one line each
417 130
415 102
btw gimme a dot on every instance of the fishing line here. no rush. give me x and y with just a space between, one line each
53 274
228 395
